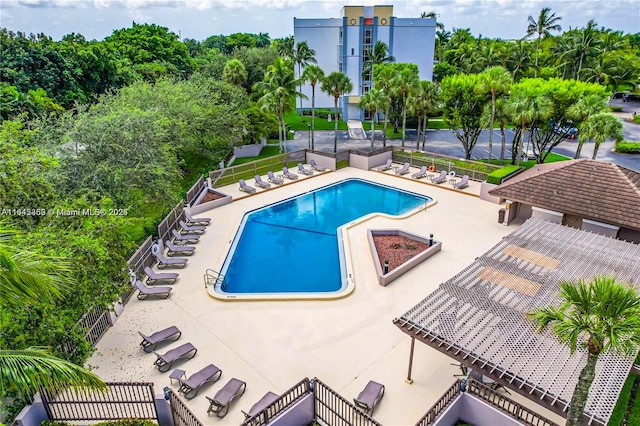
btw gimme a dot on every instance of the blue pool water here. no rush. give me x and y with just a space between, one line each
292 246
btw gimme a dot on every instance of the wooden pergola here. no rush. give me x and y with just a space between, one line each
478 317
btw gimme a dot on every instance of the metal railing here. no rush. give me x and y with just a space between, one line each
171 221
195 190
332 409
214 278
475 170
437 408
233 174
181 414
119 401
286 400
371 153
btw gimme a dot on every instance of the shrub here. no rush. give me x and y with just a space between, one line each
615 108
636 119
626 147
497 176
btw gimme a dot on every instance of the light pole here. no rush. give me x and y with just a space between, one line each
309 134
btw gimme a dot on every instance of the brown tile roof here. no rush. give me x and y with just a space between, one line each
594 190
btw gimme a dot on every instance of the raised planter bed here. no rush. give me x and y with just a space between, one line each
209 199
401 249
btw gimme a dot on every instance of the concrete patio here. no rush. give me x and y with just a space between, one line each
346 342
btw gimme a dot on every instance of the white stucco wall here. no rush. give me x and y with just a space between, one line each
414 42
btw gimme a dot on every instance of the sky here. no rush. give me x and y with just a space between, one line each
198 19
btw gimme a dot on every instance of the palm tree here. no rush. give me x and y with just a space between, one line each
519 59
234 73
336 84
404 83
581 111
600 315
502 117
379 55
542 27
24 279
383 81
372 101
432 14
284 46
424 101
586 45
525 110
495 80
302 56
599 127
313 74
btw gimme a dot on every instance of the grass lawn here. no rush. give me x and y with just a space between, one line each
625 405
299 122
551 158
267 151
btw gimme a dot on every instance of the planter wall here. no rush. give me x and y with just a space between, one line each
197 208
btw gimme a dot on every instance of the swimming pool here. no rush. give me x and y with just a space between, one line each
293 246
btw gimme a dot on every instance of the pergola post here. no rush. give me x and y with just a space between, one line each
409 380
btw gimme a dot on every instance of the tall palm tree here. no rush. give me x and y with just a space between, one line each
25 278
313 74
336 84
405 82
284 46
383 81
495 80
424 101
525 110
302 56
600 315
546 23
372 101
581 111
234 72
502 117
599 127
518 60
379 55
586 45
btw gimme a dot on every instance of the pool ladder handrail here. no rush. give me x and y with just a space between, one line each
212 277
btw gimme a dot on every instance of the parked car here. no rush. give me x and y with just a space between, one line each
631 97
568 132
619 95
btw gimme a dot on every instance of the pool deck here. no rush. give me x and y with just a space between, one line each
345 342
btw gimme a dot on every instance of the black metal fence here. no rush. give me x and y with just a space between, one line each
119 401
181 414
170 221
332 409
286 400
195 190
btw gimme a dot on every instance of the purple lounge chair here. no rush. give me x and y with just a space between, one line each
164 262
173 249
193 221
264 402
260 183
144 291
403 170
149 342
246 188
464 182
304 171
274 179
369 397
315 167
155 277
220 403
286 173
441 178
165 361
179 238
422 173
192 385
191 229
385 166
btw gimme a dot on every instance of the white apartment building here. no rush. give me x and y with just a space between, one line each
344 44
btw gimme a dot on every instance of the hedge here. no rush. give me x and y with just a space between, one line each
497 176
626 147
615 108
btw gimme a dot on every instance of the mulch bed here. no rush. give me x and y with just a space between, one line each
210 196
396 249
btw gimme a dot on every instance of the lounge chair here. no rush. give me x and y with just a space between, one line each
181 239
149 342
164 262
403 170
193 221
246 188
422 173
260 183
165 361
386 166
304 171
286 173
315 167
441 178
144 291
191 229
369 397
464 182
274 179
192 385
156 277
264 402
220 403
173 249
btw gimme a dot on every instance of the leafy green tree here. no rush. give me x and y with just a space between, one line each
234 73
527 109
255 60
314 75
285 46
302 56
600 315
582 110
405 82
373 100
496 81
518 59
382 79
239 40
424 102
462 108
546 23
336 84
599 127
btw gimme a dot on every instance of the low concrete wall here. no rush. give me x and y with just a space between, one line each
484 193
249 150
380 159
197 208
600 228
385 279
363 162
321 160
33 414
165 418
303 413
550 215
